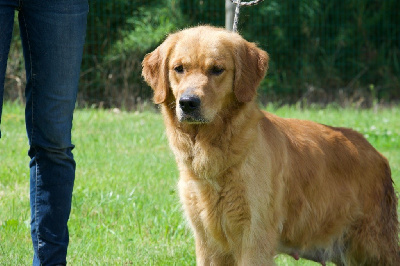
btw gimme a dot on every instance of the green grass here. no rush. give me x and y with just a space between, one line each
126 209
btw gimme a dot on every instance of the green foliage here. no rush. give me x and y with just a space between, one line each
125 208
145 33
321 51
115 73
204 12
330 47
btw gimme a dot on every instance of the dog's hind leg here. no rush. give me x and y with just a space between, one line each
369 246
374 240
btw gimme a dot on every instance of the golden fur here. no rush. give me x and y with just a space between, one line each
253 184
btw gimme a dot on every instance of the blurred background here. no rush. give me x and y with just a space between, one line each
322 52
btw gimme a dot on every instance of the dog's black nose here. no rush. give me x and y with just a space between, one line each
189 103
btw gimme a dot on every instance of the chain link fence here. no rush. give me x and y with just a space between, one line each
321 51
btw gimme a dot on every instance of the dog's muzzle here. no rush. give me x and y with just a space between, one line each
190 109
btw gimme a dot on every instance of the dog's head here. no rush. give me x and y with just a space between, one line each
201 71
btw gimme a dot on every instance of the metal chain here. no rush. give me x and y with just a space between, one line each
238 4
251 3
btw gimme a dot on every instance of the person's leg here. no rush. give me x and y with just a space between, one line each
7 9
53 33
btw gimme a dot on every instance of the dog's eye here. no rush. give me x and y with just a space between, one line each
179 69
215 70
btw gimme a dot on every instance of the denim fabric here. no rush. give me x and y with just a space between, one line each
52 33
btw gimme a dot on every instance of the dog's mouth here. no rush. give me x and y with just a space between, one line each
191 119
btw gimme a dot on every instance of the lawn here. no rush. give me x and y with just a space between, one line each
126 209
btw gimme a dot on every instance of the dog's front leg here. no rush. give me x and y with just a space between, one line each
257 249
207 254
256 259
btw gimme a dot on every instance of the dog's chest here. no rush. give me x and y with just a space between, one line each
222 213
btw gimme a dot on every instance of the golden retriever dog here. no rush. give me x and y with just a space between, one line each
253 184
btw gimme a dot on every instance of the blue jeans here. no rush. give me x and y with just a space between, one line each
52 33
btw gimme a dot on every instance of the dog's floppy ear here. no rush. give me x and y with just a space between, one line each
155 71
251 64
